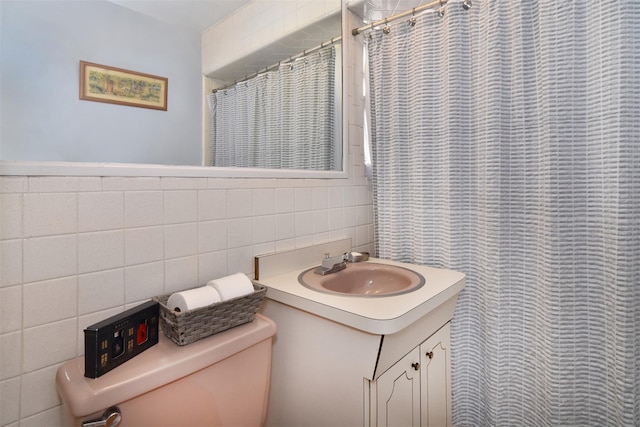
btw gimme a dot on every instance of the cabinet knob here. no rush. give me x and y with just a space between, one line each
430 355
415 366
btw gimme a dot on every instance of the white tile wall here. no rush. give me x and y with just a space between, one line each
76 250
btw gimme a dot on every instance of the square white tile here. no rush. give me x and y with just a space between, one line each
100 291
10 216
50 417
10 262
10 402
285 200
144 245
47 214
49 301
143 281
320 198
264 229
212 266
100 211
10 355
143 208
336 197
239 203
101 250
180 240
320 221
212 236
180 206
58 338
285 226
10 309
239 232
212 204
50 257
303 199
39 384
263 201
304 223
180 274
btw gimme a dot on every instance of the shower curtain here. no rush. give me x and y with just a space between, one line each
282 119
506 145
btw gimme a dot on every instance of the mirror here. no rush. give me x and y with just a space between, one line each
44 123
278 106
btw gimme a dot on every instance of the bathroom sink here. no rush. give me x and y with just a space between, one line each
368 279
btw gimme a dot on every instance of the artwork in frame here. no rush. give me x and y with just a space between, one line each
102 83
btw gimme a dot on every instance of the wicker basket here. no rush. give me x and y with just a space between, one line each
193 325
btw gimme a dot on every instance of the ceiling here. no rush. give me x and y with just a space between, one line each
198 15
374 10
192 15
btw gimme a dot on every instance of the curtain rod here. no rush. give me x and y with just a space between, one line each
284 61
466 4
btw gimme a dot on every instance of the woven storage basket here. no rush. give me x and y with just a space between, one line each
193 325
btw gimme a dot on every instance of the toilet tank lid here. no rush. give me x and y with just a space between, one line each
159 365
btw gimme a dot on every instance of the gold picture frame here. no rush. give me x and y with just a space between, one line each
102 83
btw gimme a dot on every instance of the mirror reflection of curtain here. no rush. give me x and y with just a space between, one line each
282 119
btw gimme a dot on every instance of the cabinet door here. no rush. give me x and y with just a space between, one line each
397 393
436 379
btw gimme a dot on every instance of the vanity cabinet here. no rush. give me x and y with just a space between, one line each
328 374
416 391
349 361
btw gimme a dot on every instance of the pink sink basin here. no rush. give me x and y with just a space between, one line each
368 279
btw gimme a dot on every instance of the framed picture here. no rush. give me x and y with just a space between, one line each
112 85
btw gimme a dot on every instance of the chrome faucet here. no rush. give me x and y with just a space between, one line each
334 264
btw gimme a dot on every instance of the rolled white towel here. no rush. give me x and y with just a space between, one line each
235 285
193 298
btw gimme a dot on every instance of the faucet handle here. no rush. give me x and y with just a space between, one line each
357 256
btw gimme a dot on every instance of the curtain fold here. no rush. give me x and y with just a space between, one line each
506 144
282 119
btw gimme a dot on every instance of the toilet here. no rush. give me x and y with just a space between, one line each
222 380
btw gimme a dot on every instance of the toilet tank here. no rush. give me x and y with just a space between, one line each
222 380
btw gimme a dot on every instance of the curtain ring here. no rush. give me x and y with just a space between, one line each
466 4
412 20
441 10
386 28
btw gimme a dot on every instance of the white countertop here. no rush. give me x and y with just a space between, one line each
377 315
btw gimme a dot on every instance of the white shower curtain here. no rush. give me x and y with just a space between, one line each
283 119
506 144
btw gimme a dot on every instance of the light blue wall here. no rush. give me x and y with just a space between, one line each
42 118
